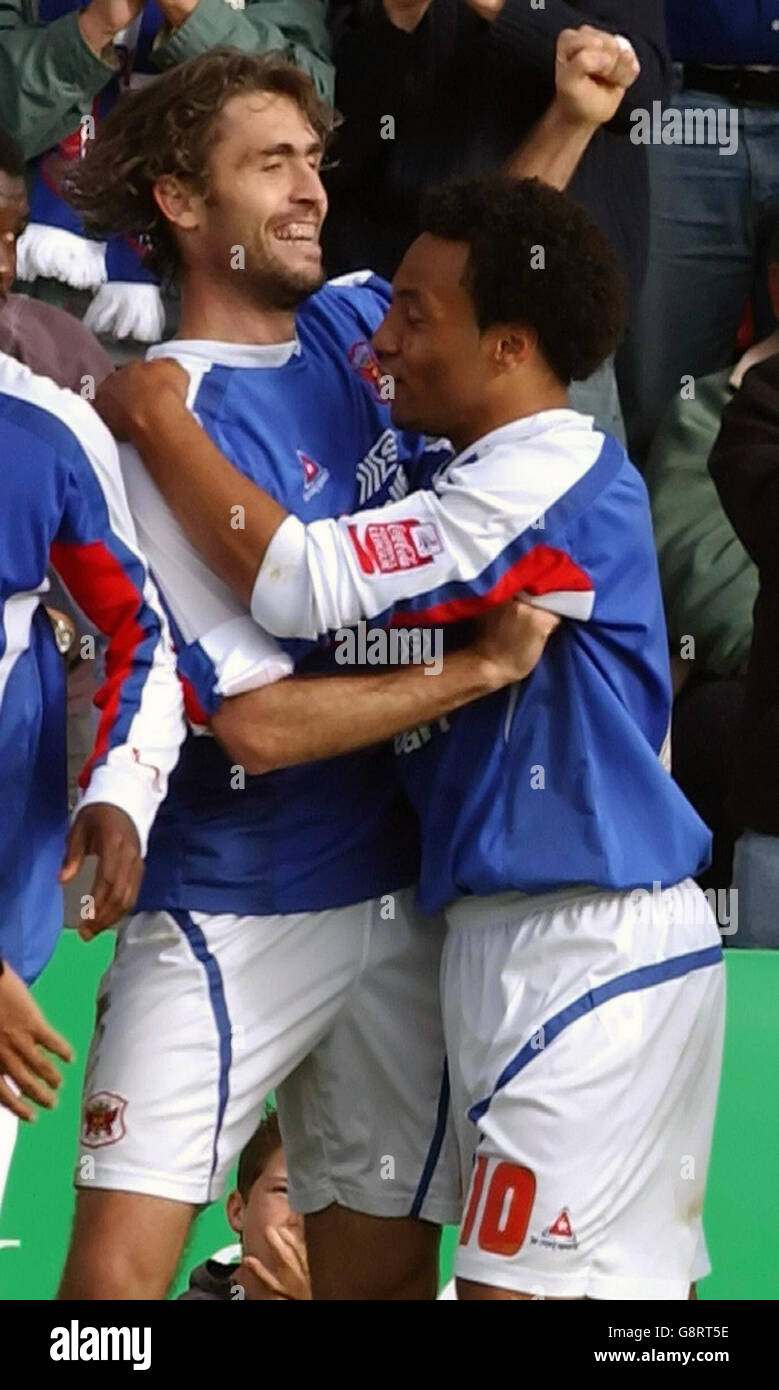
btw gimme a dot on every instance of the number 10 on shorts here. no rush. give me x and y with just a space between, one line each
508 1192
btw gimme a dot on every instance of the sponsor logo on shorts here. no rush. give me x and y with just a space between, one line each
103 1119
396 545
559 1235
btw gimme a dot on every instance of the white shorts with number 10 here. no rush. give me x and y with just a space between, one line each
584 1033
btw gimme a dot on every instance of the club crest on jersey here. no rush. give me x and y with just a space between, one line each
396 545
314 476
103 1119
366 364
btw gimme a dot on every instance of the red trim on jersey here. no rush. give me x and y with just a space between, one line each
111 601
542 570
192 706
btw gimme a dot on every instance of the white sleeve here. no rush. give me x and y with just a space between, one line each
221 650
436 556
96 554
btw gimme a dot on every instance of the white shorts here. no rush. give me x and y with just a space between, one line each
199 1016
584 1032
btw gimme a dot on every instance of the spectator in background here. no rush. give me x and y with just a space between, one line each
709 589
745 467
710 210
61 63
46 339
433 88
273 1264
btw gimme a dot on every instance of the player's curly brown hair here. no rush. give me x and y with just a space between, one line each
169 128
535 256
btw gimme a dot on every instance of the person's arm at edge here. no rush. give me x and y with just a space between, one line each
24 1032
49 74
142 722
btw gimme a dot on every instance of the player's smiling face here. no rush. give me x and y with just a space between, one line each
13 216
264 210
430 343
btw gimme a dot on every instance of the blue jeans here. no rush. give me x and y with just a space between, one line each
711 215
756 880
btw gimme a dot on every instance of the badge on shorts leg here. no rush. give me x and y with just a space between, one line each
103 1119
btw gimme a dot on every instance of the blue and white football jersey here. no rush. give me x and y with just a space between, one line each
305 420
63 501
558 780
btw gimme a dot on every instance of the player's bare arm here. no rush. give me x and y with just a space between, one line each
145 403
593 70
300 720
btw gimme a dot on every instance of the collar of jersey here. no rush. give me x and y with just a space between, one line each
529 427
212 353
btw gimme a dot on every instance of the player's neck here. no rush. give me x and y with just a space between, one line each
505 410
221 314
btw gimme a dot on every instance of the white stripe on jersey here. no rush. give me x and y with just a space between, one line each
17 617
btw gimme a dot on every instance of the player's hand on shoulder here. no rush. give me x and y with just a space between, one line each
107 832
512 637
24 1032
126 398
593 70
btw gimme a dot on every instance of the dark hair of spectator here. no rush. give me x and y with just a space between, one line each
256 1155
11 157
535 257
170 128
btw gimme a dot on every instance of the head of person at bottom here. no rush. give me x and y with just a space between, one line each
509 293
273 1264
214 168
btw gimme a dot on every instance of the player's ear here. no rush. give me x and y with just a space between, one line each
235 1211
512 345
177 202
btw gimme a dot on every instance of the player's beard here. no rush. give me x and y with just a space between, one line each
273 285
